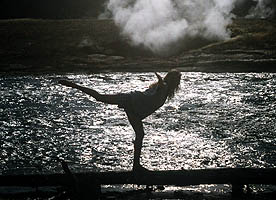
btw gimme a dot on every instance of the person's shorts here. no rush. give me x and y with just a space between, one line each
124 101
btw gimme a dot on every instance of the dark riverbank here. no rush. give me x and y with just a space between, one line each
87 46
136 194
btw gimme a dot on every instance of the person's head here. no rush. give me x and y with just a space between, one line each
172 79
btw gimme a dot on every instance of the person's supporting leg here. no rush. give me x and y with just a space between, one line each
137 125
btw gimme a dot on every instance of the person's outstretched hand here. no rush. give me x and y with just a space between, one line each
67 83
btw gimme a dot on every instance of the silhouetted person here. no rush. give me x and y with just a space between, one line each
138 105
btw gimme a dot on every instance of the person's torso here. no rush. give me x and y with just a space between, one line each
145 103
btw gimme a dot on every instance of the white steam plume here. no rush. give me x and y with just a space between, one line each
263 9
163 26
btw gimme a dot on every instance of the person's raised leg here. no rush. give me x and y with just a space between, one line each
105 98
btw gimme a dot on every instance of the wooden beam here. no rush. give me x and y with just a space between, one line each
237 176
192 177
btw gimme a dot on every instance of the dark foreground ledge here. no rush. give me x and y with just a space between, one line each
240 176
88 185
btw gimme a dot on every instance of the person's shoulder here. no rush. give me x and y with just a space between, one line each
162 87
150 90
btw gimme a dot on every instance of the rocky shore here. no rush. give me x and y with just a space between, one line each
29 46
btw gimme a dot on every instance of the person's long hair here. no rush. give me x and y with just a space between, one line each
172 79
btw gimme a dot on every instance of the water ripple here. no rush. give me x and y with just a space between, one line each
216 120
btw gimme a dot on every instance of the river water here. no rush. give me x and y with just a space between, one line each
215 120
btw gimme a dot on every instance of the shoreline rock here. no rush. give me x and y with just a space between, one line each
31 46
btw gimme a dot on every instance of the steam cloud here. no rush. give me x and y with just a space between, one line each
263 9
162 25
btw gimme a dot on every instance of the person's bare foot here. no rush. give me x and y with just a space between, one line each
139 168
67 83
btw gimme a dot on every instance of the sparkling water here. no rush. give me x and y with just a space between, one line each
215 120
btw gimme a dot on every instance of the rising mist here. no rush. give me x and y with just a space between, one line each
167 26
